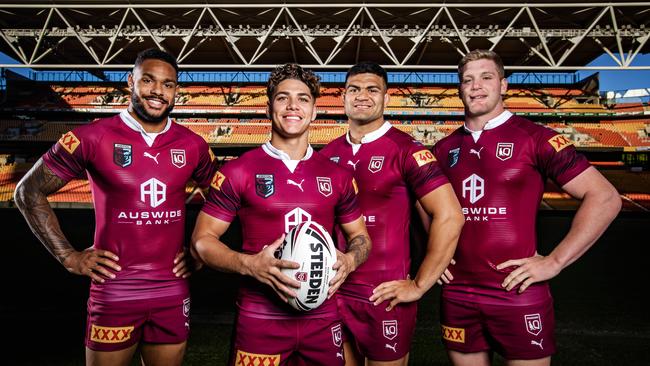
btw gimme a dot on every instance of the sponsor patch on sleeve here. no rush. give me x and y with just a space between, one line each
423 157
255 359
453 334
69 142
217 180
101 334
559 142
354 184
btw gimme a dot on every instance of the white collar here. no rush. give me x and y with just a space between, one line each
149 137
276 153
493 123
369 137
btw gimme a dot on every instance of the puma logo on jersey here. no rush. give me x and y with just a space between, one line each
393 347
154 158
535 343
354 165
478 153
299 185
339 354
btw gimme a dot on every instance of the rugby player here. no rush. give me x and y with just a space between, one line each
138 163
273 188
496 296
378 301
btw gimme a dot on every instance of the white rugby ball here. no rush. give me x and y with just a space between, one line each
311 246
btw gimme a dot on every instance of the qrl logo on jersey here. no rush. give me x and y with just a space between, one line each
324 186
504 150
474 187
69 142
376 162
423 157
533 323
122 155
186 307
153 192
178 157
337 335
390 329
559 142
295 217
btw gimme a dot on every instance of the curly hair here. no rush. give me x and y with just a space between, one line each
368 67
476 55
293 71
156 54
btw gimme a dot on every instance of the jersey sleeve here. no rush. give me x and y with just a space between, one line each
207 166
558 158
69 156
223 199
347 209
421 170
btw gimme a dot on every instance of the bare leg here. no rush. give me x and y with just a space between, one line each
469 359
113 358
163 354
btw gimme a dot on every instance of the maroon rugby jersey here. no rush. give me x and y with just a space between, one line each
499 181
270 199
139 198
392 170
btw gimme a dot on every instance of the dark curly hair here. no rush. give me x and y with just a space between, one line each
368 67
156 54
292 71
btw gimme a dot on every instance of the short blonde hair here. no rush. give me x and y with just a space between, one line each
476 55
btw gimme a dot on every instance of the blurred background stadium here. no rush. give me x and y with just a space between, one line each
64 63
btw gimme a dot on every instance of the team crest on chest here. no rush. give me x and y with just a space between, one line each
264 185
505 150
324 185
453 156
376 163
178 157
122 155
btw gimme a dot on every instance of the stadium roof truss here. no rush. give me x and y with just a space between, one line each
257 36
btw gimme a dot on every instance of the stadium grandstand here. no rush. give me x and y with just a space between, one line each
72 59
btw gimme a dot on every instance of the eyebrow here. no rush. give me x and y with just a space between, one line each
151 76
287 93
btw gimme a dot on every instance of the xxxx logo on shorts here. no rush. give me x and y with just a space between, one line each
453 334
255 359
101 334
70 142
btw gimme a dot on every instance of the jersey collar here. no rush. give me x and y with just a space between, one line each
491 124
149 137
276 153
369 137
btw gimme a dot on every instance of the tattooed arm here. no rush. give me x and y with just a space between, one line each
358 249
31 198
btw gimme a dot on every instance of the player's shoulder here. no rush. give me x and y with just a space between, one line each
326 164
186 133
244 162
96 129
334 146
402 140
530 128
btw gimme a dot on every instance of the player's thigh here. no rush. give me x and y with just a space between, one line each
546 361
352 355
463 330
264 341
168 321
380 335
321 342
110 358
400 362
163 354
469 359
114 326
525 332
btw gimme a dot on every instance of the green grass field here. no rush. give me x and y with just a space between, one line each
602 317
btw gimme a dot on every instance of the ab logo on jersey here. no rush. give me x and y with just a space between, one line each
122 155
453 334
217 180
69 142
423 157
559 142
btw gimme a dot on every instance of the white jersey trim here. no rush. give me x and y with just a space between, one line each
493 123
149 137
369 137
276 153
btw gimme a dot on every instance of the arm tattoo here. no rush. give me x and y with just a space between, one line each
31 199
359 246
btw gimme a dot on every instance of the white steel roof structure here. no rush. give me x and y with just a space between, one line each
552 36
